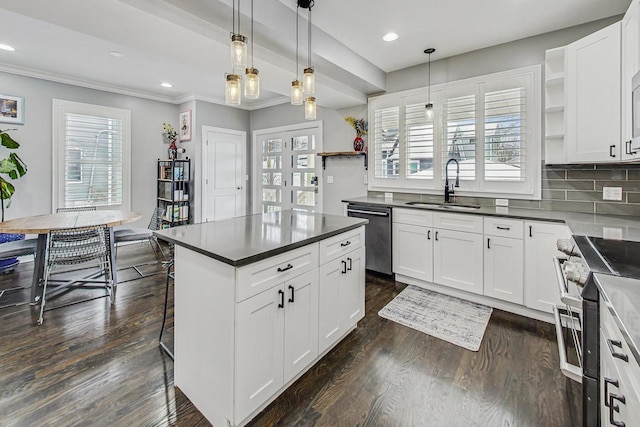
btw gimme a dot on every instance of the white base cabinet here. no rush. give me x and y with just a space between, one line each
503 269
413 251
242 335
457 260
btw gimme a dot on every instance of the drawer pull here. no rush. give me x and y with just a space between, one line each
503 228
608 381
611 343
347 243
281 294
615 408
293 290
288 267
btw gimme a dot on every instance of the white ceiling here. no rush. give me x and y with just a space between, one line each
185 42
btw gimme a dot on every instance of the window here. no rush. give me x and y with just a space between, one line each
490 125
91 156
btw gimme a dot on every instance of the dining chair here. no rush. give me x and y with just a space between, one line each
74 246
130 235
14 249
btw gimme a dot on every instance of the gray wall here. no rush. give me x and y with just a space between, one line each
348 173
34 191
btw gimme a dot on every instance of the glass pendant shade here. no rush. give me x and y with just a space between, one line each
232 90
251 83
308 81
428 112
296 92
310 108
238 51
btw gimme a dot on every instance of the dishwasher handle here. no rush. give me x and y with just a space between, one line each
367 212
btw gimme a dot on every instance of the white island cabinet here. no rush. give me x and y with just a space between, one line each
254 304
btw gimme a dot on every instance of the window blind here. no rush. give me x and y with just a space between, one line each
460 134
419 143
93 161
386 142
504 135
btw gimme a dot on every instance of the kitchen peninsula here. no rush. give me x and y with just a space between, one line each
258 300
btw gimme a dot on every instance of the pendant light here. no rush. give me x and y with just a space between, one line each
232 89
309 78
296 86
310 108
238 42
428 109
251 78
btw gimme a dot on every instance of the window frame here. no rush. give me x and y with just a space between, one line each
60 109
530 188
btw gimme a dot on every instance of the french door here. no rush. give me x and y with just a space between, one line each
289 170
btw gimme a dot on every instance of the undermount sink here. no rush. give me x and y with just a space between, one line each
448 206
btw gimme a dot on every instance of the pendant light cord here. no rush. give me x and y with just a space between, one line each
429 76
238 17
309 37
251 33
233 16
297 43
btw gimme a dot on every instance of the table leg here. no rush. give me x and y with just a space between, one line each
38 269
112 261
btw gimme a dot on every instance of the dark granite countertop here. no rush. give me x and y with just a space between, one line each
622 297
245 240
618 227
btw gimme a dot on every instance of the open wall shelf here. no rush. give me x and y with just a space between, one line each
327 154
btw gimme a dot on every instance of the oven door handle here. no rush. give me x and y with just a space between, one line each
570 371
565 296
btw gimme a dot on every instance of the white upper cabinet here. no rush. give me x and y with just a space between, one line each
630 66
593 97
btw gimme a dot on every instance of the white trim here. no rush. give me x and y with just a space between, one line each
255 155
60 108
204 162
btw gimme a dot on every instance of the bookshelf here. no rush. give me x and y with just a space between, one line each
174 191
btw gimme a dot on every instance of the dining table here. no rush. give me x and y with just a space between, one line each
43 224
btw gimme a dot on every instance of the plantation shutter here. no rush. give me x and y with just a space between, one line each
460 134
93 161
386 136
419 143
504 135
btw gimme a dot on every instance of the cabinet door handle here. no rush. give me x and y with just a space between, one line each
503 228
608 381
436 236
611 153
488 243
615 408
627 148
344 267
281 295
347 243
288 267
293 290
350 264
428 234
531 231
611 343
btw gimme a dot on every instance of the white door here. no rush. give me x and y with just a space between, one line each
352 290
223 174
288 169
457 260
504 268
329 304
413 251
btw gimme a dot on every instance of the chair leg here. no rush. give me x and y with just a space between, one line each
47 272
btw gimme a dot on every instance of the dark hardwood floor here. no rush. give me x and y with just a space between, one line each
96 364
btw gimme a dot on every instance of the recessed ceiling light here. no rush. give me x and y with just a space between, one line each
116 54
389 37
6 47
165 84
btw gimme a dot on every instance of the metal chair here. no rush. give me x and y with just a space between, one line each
16 249
76 209
129 235
74 246
170 276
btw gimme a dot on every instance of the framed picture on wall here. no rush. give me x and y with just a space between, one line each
184 122
12 109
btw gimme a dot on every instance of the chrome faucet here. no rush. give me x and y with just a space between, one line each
447 192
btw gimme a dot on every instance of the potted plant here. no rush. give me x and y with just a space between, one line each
11 167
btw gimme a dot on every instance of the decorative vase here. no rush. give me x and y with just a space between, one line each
358 143
173 150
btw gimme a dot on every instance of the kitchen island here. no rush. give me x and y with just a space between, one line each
259 300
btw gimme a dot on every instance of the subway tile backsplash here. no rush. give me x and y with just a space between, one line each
572 188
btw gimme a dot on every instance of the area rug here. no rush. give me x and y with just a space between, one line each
449 318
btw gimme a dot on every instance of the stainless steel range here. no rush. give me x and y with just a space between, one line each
587 258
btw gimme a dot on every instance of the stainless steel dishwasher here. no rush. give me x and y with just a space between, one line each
377 236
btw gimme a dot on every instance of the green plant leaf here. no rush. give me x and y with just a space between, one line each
7 189
21 168
9 167
7 141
